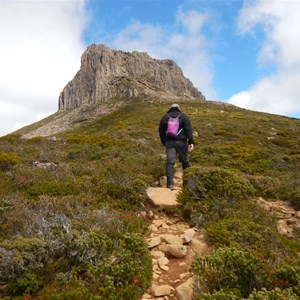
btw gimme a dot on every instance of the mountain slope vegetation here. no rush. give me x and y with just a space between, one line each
70 204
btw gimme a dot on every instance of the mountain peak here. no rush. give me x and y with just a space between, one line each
106 73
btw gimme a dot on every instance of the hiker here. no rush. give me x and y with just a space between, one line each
176 134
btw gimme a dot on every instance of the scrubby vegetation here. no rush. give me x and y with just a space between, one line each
69 226
240 160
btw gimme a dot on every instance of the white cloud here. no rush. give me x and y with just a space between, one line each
40 49
279 92
188 48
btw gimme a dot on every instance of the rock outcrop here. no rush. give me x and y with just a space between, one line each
106 73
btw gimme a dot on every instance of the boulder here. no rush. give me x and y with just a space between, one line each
178 251
161 290
162 197
185 290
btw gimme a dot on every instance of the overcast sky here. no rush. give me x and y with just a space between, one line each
242 52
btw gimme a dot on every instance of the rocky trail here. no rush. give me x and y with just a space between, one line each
288 219
173 243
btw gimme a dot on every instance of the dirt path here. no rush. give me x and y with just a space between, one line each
172 244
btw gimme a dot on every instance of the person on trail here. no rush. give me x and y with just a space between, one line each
176 134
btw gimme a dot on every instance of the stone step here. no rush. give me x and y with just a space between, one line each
163 197
172 245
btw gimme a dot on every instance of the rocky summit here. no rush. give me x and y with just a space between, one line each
110 79
106 73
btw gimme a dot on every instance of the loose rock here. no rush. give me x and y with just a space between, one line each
161 290
178 251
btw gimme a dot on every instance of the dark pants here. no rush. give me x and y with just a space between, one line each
172 148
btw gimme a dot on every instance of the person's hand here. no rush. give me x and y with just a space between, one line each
191 148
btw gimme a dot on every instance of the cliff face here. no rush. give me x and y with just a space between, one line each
107 73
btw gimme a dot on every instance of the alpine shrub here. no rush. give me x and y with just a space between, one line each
208 192
276 294
8 160
227 268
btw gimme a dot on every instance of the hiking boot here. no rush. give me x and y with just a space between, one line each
171 187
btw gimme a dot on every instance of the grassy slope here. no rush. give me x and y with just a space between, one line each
85 207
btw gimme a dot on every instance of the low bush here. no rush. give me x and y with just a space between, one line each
246 233
232 273
276 294
229 269
103 255
293 192
209 192
266 186
102 141
219 295
8 160
251 254
263 294
22 262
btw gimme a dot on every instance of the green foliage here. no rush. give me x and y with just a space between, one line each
288 276
279 141
122 268
227 268
275 294
232 231
85 152
209 183
21 264
209 192
266 186
52 181
7 160
263 294
293 191
110 264
67 287
232 273
81 212
126 190
219 295
218 200
101 141
52 188
10 140
110 255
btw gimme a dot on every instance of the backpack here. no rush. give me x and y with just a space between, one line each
173 126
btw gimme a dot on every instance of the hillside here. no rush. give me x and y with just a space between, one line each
69 204
107 80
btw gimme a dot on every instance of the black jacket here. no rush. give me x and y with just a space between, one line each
185 135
